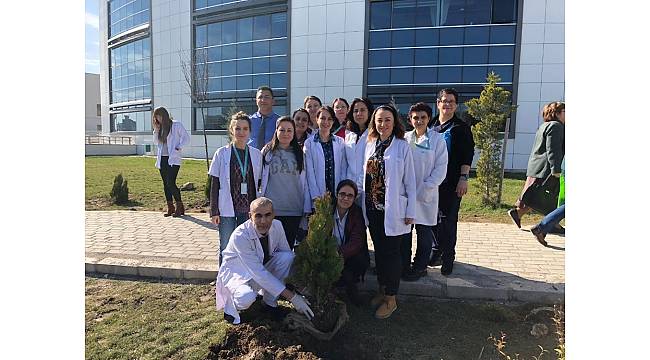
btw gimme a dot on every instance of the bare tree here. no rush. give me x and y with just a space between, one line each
195 72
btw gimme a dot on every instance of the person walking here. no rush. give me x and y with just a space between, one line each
284 179
546 156
170 137
389 201
430 153
551 221
460 152
236 170
263 121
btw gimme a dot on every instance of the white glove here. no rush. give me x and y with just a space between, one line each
302 305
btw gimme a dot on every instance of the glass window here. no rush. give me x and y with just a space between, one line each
261 48
426 56
378 76
130 71
229 52
146 48
244 50
214 85
379 39
278 63
244 82
379 58
477 12
505 72
229 83
404 13
402 38
380 14
449 56
279 25
229 32
259 80
131 121
245 29
474 74
278 81
214 69
278 47
449 74
426 37
214 54
502 35
427 13
244 66
451 36
214 34
475 55
502 54
200 4
452 12
504 11
401 57
262 27
229 68
261 65
401 76
477 35
425 75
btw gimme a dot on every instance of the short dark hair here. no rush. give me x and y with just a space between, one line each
351 124
448 91
398 128
311 97
421 107
264 87
350 183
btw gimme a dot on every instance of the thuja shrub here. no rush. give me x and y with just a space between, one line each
120 190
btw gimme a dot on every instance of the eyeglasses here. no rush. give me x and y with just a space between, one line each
343 195
447 102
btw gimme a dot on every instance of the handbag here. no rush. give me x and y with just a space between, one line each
542 195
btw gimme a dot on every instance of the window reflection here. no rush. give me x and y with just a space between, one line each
125 15
130 71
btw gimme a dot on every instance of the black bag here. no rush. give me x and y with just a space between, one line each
541 196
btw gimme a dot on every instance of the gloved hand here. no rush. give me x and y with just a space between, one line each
302 305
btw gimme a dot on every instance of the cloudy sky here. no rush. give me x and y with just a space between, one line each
92 36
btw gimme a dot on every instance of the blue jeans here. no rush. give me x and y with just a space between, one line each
553 218
227 225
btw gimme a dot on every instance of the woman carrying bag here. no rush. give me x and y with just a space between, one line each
236 171
170 138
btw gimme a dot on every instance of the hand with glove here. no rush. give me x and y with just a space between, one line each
302 305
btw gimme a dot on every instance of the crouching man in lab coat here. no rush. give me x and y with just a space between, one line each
256 261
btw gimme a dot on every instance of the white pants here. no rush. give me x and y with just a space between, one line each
244 295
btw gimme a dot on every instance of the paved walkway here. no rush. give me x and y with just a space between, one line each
493 261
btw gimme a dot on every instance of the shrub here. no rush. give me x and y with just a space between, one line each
120 190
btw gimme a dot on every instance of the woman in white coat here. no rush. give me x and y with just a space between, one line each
389 200
324 156
430 154
170 137
236 171
356 131
284 178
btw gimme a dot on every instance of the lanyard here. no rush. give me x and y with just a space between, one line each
242 167
337 130
338 227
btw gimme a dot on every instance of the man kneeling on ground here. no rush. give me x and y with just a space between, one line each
256 261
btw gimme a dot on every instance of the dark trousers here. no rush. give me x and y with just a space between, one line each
354 268
290 225
425 236
388 257
447 227
168 174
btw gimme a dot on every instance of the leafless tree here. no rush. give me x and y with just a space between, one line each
195 72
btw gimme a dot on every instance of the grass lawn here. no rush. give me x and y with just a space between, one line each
156 320
146 190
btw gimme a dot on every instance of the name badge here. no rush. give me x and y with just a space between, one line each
244 188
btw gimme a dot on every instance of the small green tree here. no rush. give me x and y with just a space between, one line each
318 265
490 110
120 190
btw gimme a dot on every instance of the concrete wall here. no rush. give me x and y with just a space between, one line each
92 99
104 149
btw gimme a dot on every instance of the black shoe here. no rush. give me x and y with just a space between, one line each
229 318
557 230
539 235
435 259
515 217
447 268
277 313
414 275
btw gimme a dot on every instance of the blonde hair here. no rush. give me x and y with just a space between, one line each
233 122
552 110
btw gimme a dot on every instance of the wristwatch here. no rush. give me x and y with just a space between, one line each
464 177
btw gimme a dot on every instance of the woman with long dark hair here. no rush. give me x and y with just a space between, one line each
170 137
358 118
301 121
341 108
312 104
389 200
283 178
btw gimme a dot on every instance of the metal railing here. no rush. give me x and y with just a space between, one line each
109 140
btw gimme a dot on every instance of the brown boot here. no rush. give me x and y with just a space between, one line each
379 298
386 309
180 209
170 209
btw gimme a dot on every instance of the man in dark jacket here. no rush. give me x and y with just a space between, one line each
350 233
460 150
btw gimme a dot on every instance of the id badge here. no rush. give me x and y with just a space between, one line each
244 188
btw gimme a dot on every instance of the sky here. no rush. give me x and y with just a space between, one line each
92 36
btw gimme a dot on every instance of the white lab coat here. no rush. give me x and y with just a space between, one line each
354 156
401 193
431 160
243 262
315 165
177 138
220 167
303 182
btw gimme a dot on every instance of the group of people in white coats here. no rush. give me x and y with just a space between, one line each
382 179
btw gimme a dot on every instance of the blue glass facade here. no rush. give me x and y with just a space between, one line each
127 14
131 71
131 121
211 4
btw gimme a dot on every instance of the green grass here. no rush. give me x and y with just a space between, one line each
128 319
146 189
